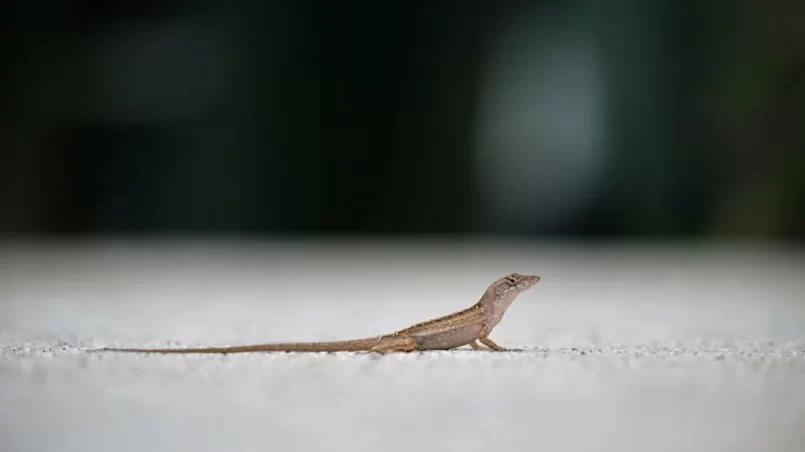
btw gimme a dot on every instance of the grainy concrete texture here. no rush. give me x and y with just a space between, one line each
619 348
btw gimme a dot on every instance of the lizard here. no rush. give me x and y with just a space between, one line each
468 326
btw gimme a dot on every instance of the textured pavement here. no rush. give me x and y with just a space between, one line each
617 349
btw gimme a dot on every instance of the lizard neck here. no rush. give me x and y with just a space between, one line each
495 304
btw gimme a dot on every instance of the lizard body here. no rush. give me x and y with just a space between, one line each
464 327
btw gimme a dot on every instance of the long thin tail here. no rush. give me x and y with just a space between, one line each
337 346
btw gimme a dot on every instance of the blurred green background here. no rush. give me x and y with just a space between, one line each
579 119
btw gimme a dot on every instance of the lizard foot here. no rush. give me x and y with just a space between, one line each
405 344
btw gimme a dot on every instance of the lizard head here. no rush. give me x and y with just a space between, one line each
515 283
502 292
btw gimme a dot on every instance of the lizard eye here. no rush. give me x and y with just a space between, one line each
511 280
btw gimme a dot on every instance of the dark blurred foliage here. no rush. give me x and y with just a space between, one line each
348 117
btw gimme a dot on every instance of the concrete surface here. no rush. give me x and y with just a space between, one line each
619 348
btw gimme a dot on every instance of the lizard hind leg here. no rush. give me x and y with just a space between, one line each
402 344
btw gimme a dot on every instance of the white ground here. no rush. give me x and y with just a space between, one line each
624 349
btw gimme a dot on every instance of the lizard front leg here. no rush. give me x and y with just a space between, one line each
488 342
484 338
491 344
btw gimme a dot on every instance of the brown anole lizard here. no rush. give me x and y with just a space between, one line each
468 326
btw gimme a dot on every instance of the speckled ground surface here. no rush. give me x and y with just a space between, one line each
617 349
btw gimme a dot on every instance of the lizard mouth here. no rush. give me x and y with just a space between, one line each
532 280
